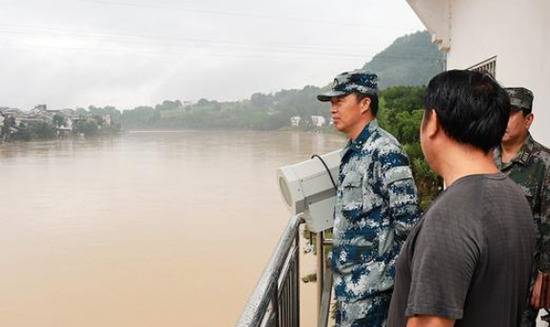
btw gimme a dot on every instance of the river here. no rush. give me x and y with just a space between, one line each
152 228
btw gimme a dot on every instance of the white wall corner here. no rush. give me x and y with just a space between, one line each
436 16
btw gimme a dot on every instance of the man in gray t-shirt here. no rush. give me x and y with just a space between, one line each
464 259
468 262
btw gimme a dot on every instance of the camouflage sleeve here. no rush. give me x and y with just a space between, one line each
401 192
544 259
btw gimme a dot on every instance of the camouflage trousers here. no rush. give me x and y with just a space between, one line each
370 312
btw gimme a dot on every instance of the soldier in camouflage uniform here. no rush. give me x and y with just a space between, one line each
376 204
528 163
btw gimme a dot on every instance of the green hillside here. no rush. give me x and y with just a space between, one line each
410 60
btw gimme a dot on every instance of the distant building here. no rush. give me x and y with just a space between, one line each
488 36
318 121
11 111
40 108
17 114
107 119
67 127
295 121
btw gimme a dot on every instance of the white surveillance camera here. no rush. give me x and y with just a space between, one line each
309 190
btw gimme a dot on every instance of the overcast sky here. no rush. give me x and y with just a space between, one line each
70 53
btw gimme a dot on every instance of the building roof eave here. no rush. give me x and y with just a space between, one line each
436 16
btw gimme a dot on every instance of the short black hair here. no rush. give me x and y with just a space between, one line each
373 101
471 106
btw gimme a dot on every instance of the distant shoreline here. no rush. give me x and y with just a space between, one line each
324 130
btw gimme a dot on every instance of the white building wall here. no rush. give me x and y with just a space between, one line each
318 121
518 34
295 121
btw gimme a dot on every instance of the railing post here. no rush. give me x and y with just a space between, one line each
324 280
320 268
275 300
322 319
297 278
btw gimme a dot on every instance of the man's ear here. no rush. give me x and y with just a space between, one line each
365 104
529 120
431 125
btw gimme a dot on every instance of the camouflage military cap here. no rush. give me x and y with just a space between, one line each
520 98
359 80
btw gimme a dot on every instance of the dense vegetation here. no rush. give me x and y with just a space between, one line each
260 112
410 60
401 115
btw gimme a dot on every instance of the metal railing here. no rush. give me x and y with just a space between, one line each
324 280
276 299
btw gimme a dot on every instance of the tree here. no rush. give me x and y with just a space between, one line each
8 124
261 101
169 105
404 98
37 130
81 112
86 127
203 102
99 120
58 120
42 130
402 121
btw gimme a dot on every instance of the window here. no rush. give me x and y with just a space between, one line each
489 66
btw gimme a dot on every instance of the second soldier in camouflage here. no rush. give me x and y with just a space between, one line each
527 163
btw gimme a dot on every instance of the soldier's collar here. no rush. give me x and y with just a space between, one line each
497 157
357 144
524 154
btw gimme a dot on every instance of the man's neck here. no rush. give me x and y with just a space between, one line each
461 161
354 133
510 149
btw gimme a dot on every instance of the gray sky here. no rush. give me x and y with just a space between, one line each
69 53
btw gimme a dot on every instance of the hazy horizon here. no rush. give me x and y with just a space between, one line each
77 53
